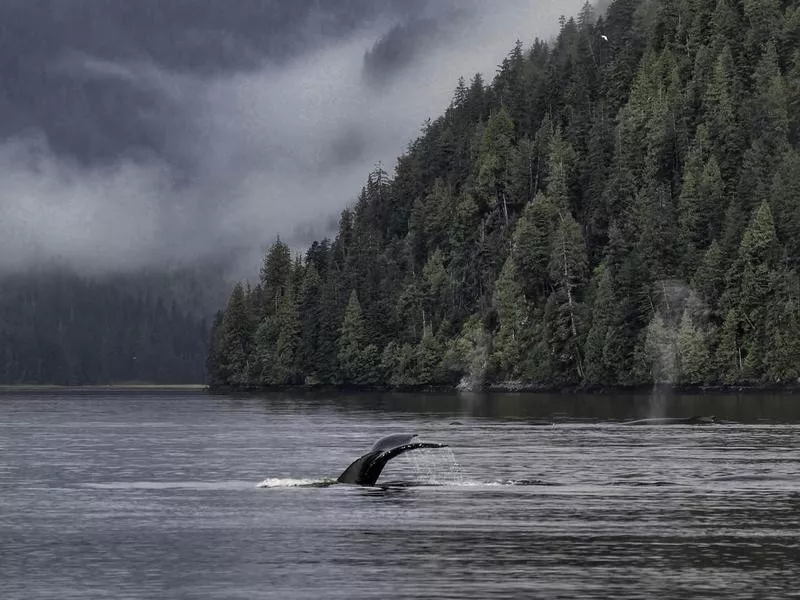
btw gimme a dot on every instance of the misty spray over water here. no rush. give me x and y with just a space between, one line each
436 466
677 329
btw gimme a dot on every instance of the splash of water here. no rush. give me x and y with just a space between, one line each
288 482
436 466
659 399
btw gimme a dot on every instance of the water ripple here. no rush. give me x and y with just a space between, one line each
196 496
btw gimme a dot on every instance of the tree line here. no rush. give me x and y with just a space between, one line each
60 328
618 206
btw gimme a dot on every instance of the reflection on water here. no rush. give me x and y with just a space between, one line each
549 496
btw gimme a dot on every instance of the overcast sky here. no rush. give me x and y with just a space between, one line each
156 132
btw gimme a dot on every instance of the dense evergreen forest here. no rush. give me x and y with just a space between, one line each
619 206
59 328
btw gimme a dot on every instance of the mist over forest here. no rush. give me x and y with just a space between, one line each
159 147
171 133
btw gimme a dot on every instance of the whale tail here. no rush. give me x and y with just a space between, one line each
367 469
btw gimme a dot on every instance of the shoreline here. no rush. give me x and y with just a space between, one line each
516 387
494 388
115 387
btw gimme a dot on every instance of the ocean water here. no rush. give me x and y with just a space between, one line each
191 495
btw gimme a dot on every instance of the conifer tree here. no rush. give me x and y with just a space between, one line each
509 300
310 313
765 19
693 351
709 279
568 266
726 26
531 245
783 196
286 367
723 123
751 285
427 360
793 92
237 333
701 201
276 276
783 330
358 362
330 321
598 370
492 177
436 292
262 364
769 124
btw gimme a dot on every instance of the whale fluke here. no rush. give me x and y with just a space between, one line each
367 469
393 441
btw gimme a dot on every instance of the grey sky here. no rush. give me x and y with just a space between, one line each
137 133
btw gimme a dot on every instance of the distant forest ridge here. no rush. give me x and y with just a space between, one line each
57 327
618 207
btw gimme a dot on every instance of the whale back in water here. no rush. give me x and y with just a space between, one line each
675 421
367 469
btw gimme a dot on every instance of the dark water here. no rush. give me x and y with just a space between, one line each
155 496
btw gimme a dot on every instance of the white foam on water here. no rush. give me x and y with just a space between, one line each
289 482
504 483
478 484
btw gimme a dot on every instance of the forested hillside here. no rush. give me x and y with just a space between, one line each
59 328
619 206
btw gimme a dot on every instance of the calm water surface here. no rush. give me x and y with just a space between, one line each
156 496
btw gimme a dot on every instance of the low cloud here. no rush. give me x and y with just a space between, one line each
248 154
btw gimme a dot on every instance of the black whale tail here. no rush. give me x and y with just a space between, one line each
367 469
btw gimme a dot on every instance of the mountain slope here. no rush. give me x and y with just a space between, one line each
617 207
